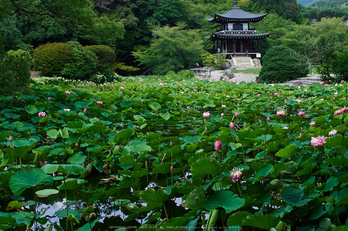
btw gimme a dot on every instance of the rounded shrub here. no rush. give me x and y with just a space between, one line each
51 58
84 64
15 71
106 57
281 64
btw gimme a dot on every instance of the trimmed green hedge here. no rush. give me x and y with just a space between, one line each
106 57
51 58
69 60
281 64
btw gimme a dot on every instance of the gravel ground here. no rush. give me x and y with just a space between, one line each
238 77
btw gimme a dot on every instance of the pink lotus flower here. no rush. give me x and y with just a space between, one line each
326 85
171 168
171 143
312 124
85 110
231 124
258 95
268 119
222 114
121 88
206 115
236 114
300 135
280 113
236 174
318 141
217 145
332 133
194 90
67 92
76 144
321 83
42 114
223 106
100 102
301 113
49 98
276 94
10 138
73 86
339 112
66 109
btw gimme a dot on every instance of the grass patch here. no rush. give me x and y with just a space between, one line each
249 71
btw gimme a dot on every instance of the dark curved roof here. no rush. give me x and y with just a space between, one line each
236 14
239 36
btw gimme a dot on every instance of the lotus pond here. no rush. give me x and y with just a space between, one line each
183 154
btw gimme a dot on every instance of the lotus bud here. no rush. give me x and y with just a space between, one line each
268 119
217 145
171 143
10 138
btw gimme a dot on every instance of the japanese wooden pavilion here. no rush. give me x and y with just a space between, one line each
236 38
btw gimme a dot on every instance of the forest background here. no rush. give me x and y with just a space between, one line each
157 36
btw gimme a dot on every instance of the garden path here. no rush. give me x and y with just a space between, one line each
249 77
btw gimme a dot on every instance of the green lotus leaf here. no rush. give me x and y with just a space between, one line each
293 196
155 106
21 180
288 151
78 159
334 141
205 166
67 169
14 205
31 109
166 116
46 192
196 199
138 146
224 199
154 198
53 133
237 218
264 222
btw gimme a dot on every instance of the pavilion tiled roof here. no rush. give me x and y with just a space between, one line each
239 36
235 14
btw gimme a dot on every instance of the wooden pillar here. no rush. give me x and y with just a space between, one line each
258 45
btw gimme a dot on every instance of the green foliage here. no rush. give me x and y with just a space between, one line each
70 60
84 64
324 12
51 58
339 67
214 60
319 42
15 76
172 49
281 64
106 57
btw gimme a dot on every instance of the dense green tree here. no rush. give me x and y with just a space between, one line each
77 16
326 3
324 12
281 64
278 26
319 42
172 49
15 71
